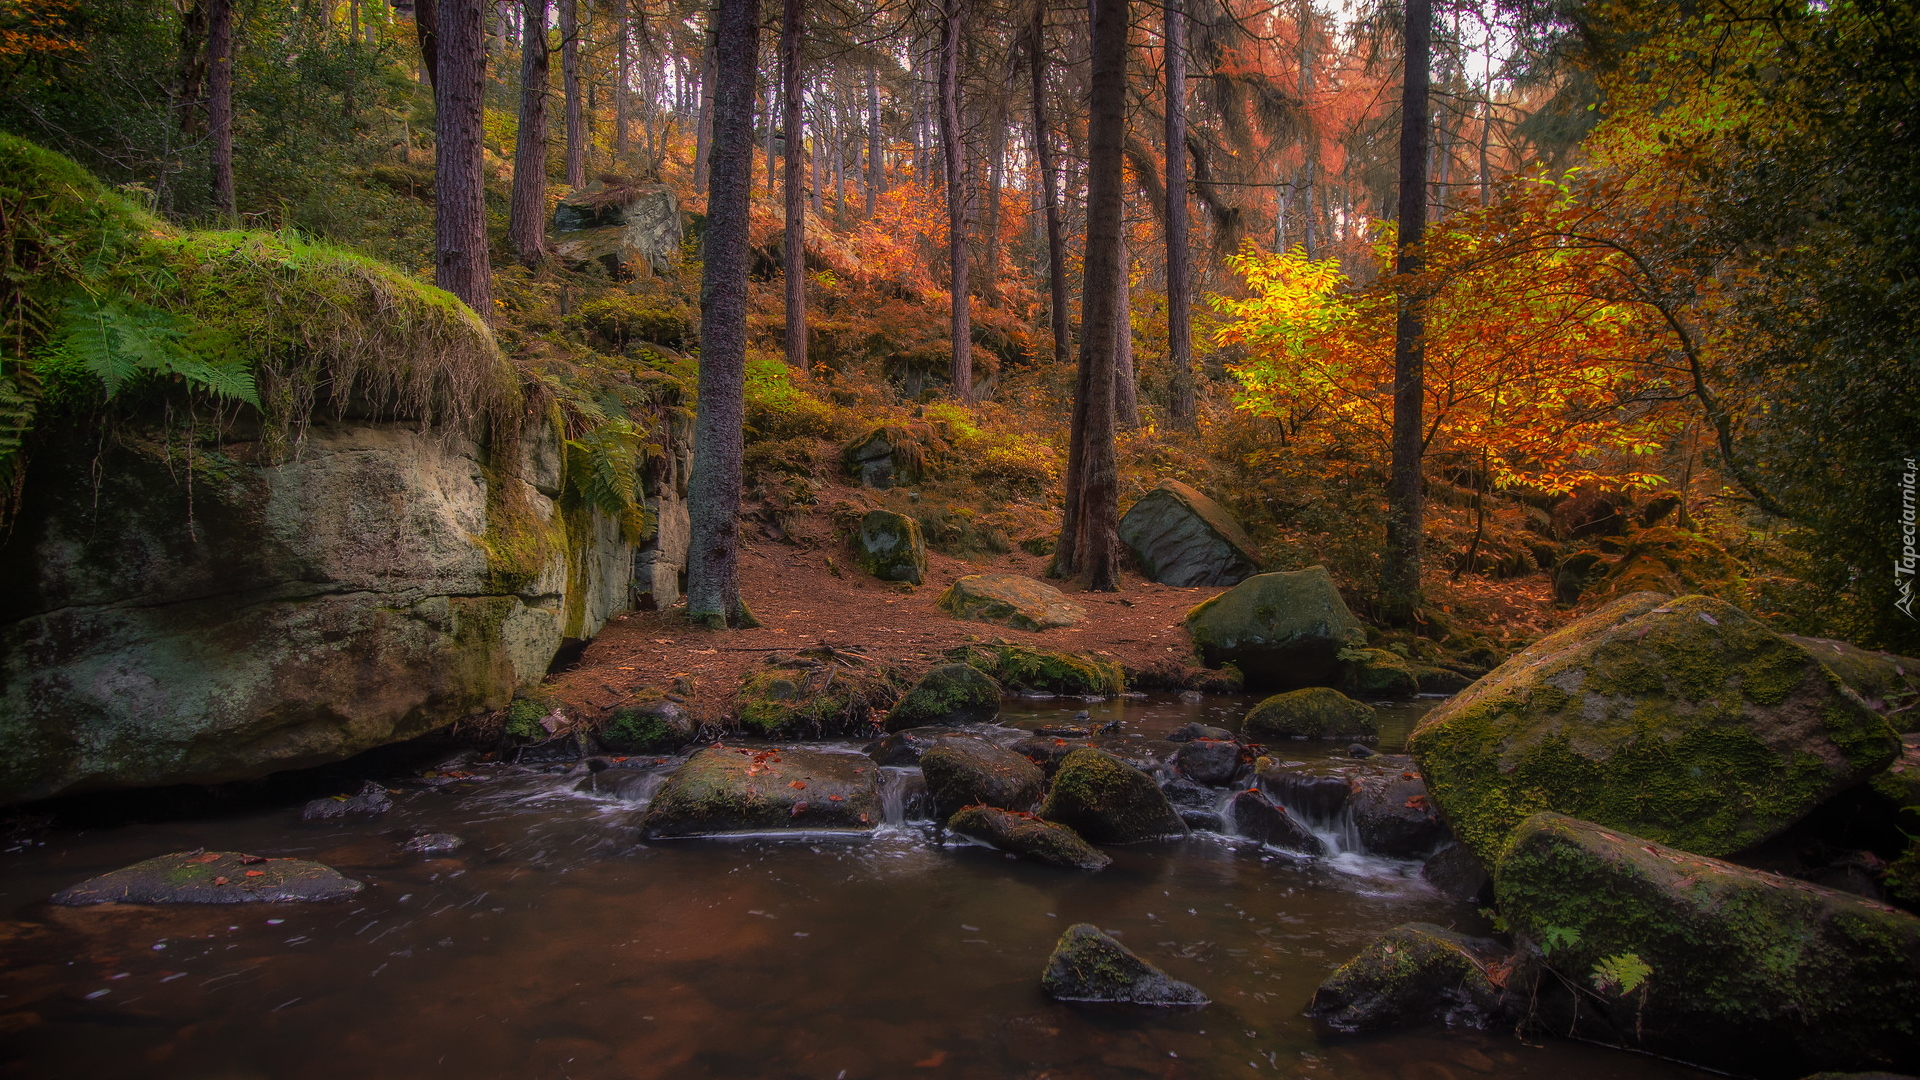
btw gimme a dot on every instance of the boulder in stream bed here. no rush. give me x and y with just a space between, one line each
965 772
1283 630
1012 600
1257 817
1197 730
1317 712
904 747
948 694
212 877
1182 538
1028 837
1088 965
1109 801
1214 762
732 789
1415 973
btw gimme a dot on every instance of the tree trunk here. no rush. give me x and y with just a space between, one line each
713 488
1089 539
1049 182
187 97
1182 409
956 168
876 165
996 156
527 212
220 104
814 148
792 29
1126 391
621 144
1401 571
703 136
570 79
426 28
460 215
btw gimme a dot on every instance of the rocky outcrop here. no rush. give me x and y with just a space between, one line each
660 561
1684 721
1011 600
1028 837
1283 630
728 789
212 877
892 548
1180 537
948 694
1317 712
1109 801
630 229
376 583
1415 973
1088 965
964 772
1694 958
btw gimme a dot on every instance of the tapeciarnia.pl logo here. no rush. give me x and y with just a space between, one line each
1903 567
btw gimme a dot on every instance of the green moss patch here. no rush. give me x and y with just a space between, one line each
815 693
1317 712
1044 671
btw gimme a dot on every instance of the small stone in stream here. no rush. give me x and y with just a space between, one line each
905 746
1184 794
1203 820
433 843
964 772
1459 875
1045 752
1395 817
212 877
1258 818
371 800
1360 750
1109 801
1192 697
1088 965
1414 973
1063 731
1197 730
736 789
1028 836
1083 715
1211 761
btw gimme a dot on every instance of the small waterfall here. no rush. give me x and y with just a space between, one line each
902 792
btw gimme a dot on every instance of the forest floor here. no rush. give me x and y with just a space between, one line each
806 588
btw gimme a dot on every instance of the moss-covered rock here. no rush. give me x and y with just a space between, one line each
892 547
730 789
1707 961
1685 721
1884 681
1088 965
1317 712
212 877
1044 671
1378 673
1282 630
1180 537
649 728
1029 837
948 694
1213 762
968 772
1413 974
1109 801
1011 600
815 693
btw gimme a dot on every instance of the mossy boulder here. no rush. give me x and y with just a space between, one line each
948 694
967 772
1213 762
649 728
1884 681
1282 630
1010 600
1180 537
1378 673
815 693
1088 965
212 877
1706 961
1109 801
1029 837
731 789
892 547
1413 974
1684 721
1317 712
1045 671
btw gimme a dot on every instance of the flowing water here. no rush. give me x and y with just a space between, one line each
553 944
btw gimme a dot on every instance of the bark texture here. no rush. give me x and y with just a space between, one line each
220 103
956 160
527 212
1404 497
1181 409
792 28
461 264
1049 182
576 104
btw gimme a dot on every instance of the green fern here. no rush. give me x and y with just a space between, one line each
1622 974
17 402
603 466
119 342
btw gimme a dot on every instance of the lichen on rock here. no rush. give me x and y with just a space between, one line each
1012 600
1088 965
892 547
1283 630
1109 801
947 694
1316 712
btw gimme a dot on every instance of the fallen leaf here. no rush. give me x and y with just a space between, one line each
204 857
835 798
249 860
256 873
219 881
1418 802
798 785
798 809
939 1058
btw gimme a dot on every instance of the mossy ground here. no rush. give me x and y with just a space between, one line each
1044 670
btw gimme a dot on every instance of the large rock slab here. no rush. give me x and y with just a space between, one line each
730 789
1282 630
1684 721
212 877
1028 837
1011 600
892 547
1088 965
630 229
1415 973
1317 712
1180 537
1109 801
1706 961
947 694
964 772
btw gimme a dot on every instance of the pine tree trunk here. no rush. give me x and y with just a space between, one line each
1401 572
703 136
956 162
1090 531
713 488
1126 391
576 101
876 163
1049 181
622 145
792 29
527 211
426 29
461 264
1182 409
220 104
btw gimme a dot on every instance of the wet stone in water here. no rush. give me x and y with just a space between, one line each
371 800
1212 762
1088 965
727 789
962 772
1197 730
1028 837
1257 818
212 877
433 844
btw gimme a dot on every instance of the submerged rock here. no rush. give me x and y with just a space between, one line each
1182 538
1088 965
892 547
212 877
948 694
1020 602
1197 730
1257 817
1415 973
433 844
1029 837
1684 721
370 801
1706 961
1109 801
1282 630
729 789
1314 713
966 772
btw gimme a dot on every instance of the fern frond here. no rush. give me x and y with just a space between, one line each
17 404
